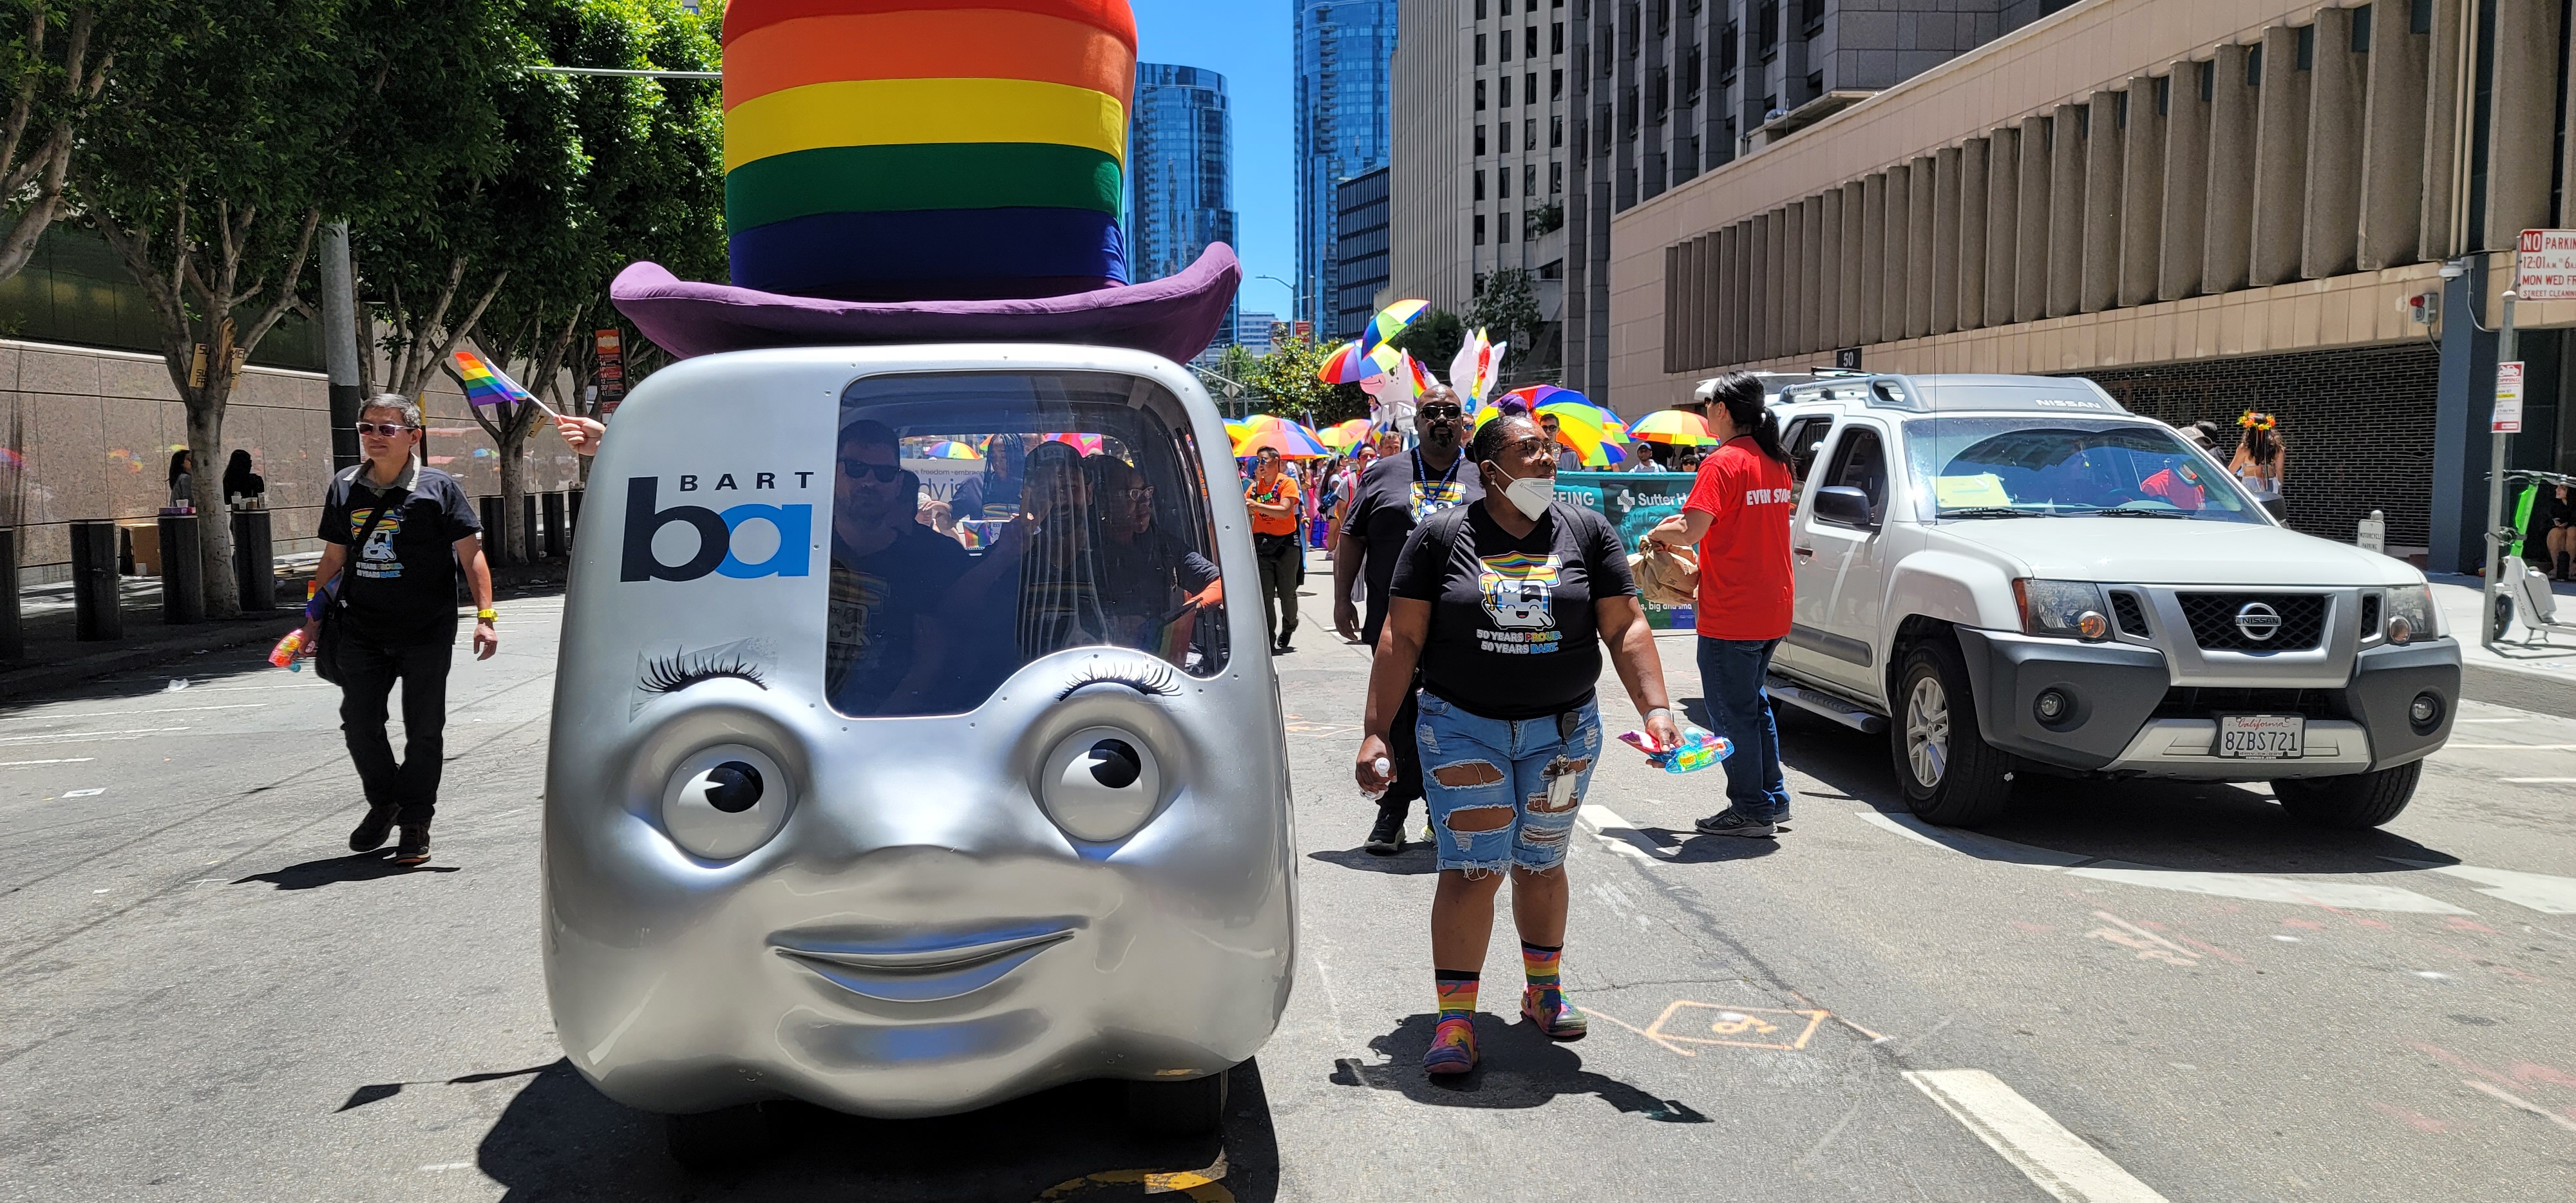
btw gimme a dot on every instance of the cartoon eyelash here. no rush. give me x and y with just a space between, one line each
680 670
1156 681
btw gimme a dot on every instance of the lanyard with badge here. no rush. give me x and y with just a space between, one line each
1432 496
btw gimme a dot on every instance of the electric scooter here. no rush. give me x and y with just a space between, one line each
2538 603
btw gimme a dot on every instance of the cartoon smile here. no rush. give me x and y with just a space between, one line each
919 969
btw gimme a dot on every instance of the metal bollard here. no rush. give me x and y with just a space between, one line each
572 518
496 533
558 540
530 547
183 583
254 560
97 608
13 634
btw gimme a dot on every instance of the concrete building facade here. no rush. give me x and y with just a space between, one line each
1180 170
1482 92
1342 131
1669 89
2207 205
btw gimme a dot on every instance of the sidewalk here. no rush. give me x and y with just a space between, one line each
2527 670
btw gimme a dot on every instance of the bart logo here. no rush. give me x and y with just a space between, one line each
793 523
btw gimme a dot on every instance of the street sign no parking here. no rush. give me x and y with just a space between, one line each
2545 266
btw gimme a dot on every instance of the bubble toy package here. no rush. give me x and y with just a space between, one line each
1698 750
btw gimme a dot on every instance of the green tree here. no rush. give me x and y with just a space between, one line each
1284 382
1507 310
60 54
226 133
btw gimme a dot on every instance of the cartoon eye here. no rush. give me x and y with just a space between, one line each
1100 784
724 801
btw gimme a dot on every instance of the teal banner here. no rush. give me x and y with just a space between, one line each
1634 502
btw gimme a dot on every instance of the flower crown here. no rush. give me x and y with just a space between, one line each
2255 421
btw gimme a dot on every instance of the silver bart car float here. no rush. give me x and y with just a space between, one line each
1082 870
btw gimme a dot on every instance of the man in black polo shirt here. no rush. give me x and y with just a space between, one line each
1395 494
889 646
396 592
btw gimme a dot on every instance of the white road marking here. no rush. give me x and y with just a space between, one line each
1618 834
84 793
20 764
2537 780
69 736
32 718
2458 721
2519 1103
2539 891
2510 747
2056 1160
446 1165
2253 886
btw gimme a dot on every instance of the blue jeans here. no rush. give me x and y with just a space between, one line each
1534 768
1731 672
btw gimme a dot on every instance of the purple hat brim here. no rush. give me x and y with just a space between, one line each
1175 317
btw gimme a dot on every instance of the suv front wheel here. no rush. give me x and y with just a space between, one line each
2350 803
1950 774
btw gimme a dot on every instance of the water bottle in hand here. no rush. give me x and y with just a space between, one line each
1386 770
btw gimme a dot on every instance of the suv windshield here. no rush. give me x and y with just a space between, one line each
984 520
2041 465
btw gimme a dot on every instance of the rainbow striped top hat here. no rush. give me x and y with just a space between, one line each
895 149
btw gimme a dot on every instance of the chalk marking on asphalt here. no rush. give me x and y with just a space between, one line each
75 736
34 718
2537 891
2253 886
1740 1021
1622 837
2519 1103
2537 780
444 1166
20 764
2055 1159
1668 1045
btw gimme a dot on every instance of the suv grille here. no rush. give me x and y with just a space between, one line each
2131 616
2213 618
2370 616
2184 701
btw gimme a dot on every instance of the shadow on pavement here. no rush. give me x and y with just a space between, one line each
365 866
2199 826
1417 858
561 1139
1692 848
1516 1068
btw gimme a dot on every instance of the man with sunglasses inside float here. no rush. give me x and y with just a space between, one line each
885 644
1395 494
395 533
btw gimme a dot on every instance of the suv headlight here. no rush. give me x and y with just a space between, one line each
2410 615
2062 609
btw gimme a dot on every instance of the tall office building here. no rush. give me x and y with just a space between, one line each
1669 90
1180 170
1341 132
1480 145
1252 330
1362 218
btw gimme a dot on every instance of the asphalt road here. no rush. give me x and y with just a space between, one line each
2129 993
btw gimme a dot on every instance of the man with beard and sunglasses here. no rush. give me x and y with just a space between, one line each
1394 495
886 648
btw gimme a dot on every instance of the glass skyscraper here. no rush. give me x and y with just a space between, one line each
1341 116
1180 171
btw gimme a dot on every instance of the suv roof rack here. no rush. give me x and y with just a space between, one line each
1956 393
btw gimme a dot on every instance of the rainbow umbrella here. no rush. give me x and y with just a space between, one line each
1088 444
1348 364
1291 440
1236 428
1344 435
1674 427
951 449
1390 322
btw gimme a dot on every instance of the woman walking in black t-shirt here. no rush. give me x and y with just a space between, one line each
1500 603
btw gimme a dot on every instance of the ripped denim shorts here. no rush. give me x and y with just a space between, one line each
1532 769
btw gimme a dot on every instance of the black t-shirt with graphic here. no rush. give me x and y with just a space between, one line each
1512 629
1390 501
878 599
400 587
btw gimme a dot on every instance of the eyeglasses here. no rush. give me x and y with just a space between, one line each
382 429
1139 493
880 473
1531 446
1437 412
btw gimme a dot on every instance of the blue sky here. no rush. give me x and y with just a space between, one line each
1250 43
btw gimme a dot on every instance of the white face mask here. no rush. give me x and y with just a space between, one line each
1530 494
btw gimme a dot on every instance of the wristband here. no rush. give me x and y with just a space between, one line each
486 615
1652 711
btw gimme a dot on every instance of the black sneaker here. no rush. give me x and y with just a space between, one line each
372 830
1731 821
1386 838
414 848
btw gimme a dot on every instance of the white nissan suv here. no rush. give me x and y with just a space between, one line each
2014 576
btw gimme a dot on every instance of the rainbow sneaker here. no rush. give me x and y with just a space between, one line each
1453 1047
1556 1018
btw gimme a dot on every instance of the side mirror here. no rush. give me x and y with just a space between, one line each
1843 505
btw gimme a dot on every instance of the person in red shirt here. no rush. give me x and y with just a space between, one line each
1738 514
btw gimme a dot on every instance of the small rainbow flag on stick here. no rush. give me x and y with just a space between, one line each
485 385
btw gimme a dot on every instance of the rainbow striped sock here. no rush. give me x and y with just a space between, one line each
1539 961
1457 992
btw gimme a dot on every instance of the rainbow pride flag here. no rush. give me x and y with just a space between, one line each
927 149
484 384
